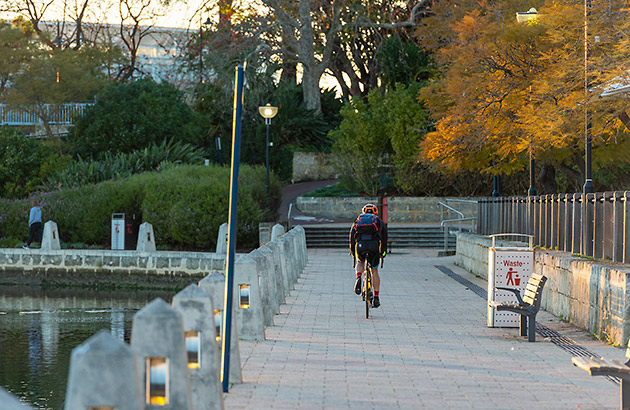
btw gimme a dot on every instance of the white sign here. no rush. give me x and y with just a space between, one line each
508 268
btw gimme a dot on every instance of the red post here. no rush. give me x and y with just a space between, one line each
384 213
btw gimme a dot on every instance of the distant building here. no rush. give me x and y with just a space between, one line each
158 53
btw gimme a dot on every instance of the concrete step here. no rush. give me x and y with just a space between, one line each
318 236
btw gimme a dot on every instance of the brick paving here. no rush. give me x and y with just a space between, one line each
426 347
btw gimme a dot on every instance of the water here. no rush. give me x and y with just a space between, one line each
39 329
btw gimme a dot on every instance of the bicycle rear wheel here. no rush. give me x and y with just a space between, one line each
368 292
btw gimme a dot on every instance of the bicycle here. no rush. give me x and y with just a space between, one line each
366 284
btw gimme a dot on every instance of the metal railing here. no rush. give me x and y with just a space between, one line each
461 218
56 114
595 225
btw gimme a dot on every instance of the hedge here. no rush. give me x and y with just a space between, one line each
185 204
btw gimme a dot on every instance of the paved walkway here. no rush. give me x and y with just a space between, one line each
426 347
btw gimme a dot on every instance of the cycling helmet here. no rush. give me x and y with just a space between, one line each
370 209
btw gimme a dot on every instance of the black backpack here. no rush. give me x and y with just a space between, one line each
367 227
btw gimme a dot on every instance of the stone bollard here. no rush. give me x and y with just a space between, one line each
282 280
50 237
10 402
285 246
301 235
275 277
249 303
195 306
277 231
222 238
103 375
267 286
214 285
146 238
157 338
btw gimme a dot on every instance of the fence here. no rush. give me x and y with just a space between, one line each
56 114
595 225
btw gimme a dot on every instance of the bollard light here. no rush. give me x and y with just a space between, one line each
157 381
193 349
218 319
244 296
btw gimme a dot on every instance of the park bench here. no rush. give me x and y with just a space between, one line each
597 366
527 306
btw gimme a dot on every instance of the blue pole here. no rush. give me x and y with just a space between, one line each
229 269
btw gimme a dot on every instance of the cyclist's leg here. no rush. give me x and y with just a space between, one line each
359 270
376 280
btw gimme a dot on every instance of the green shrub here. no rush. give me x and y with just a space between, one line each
130 116
121 165
185 204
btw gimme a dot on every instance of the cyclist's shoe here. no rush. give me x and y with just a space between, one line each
357 286
375 302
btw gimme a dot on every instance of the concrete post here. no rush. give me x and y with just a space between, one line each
146 238
50 237
103 373
275 277
157 338
283 244
292 256
249 303
214 285
282 279
195 306
277 231
222 237
267 284
10 402
302 236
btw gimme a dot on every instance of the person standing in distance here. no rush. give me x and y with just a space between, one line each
34 224
368 234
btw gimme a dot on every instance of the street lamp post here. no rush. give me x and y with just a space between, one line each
588 183
530 17
267 112
206 23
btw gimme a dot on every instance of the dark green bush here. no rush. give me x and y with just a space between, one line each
185 204
131 116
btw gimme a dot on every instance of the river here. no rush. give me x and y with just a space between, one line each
39 328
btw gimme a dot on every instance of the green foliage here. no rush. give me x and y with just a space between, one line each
24 162
402 62
294 126
185 204
386 130
17 46
121 165
337 190
133 115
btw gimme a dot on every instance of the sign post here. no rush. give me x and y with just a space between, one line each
229 268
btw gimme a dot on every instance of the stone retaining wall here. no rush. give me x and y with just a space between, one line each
400 209
593 295
87 266
312 166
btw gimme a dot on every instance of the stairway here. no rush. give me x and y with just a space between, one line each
329 236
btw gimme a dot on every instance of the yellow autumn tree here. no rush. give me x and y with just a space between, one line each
507 89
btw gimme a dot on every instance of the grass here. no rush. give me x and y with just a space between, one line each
336 190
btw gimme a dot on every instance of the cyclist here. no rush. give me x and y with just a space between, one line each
368 234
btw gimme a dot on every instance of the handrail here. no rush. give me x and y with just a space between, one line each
451 208
289 216
471 201
458 220
496 235
469 218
